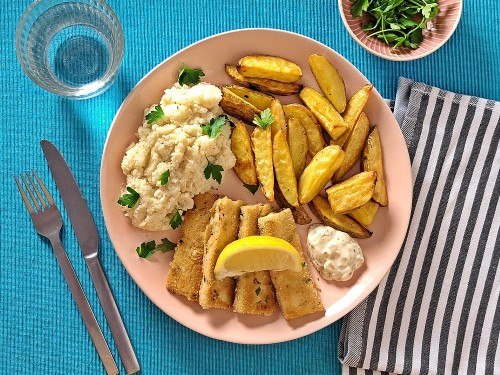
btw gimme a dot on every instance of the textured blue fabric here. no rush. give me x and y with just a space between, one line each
41 331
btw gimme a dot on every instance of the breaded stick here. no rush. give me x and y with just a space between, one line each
254 291
222 230
184 274
296 292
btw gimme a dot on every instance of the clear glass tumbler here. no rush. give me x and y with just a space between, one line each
71 48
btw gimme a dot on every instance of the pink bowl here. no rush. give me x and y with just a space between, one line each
442 27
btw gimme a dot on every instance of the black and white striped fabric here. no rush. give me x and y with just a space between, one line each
438 310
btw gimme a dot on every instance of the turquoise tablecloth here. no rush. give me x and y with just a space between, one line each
41 331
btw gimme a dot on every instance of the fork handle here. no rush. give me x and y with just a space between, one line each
86 312
115 322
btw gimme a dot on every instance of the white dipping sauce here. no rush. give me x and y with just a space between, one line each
335 254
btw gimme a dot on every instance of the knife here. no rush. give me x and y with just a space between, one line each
88 239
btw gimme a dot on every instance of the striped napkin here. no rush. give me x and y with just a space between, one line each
437 311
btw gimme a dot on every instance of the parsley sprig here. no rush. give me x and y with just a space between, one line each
129 199
265 119
214 171
176 220
147 249
155 115
396 22
164 177
212 129
251 188
189 76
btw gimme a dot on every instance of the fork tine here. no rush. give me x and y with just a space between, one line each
39 195
44 189
25 198
33 198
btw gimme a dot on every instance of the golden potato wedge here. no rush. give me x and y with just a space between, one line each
318 172
315 139
300 215
329 80
352 193
263 84
283 169
279 122
372 161
270 67
263 152
354 146
260 100
324 111
366 213
241 146
344 223
235 106
354 107
297 141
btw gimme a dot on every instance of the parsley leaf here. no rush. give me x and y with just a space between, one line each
251 188
188 76
129 199
155 114
146 250
213 128
165 245
266 118
176 220
164 177
213 170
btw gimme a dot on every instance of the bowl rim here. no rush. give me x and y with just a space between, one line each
439 45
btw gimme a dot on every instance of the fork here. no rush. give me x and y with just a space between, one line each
48 223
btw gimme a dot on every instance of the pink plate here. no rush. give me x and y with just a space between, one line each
442 27
338 298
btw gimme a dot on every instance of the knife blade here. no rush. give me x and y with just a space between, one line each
88 239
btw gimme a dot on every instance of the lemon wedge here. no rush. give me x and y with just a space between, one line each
256 253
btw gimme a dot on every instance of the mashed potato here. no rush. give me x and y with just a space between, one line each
175 143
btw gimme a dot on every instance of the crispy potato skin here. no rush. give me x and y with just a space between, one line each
329 80
373 161
279 122
344 223
315 139
352 193
366 213
263 151
354 146
262 84
241 146
319 171
324 111
258 99
297 141
235 106
270 67
283 169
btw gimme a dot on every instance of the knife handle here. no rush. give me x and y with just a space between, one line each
83 305
115 322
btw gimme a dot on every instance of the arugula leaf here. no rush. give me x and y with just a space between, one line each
359 7
213 128
146 250
251 188
164 177
155 114
129 199
266 118
213 170
165 245
176 220
188 76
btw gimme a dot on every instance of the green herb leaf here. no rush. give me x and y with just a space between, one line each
129 199
258 290
188 76
266 118
213 128
164 177
146 250
359 7
214 171
165 245
251 188
176 220
155 114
